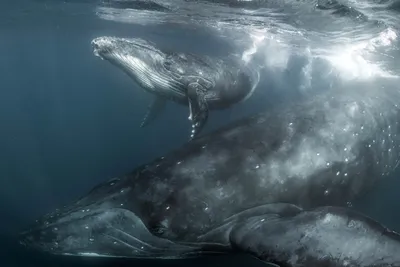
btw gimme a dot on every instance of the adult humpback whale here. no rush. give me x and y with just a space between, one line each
200 82
226 191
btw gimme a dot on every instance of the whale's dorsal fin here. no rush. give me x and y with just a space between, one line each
153 110
198 107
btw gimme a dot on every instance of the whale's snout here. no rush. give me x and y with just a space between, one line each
100 46
105 222
96 48
101 232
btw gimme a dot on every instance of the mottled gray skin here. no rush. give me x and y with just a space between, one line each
206 196
326 236
200 82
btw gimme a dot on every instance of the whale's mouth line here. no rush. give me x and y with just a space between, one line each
97 54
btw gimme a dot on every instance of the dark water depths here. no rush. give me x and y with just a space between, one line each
68 121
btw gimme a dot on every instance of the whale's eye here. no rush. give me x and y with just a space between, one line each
157 229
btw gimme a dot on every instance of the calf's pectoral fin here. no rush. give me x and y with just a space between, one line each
198 108
153 110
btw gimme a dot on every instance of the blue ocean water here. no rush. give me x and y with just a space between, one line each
68 121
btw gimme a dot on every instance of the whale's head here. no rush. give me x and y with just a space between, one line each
139 58
109 221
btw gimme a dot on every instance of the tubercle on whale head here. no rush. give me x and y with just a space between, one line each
108 47
106 222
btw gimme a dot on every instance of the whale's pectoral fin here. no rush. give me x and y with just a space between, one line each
325 236
253 236
153 110
198 107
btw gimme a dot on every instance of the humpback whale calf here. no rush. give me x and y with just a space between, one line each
200 82
260 185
